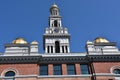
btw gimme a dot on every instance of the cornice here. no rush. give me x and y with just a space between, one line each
104 58
59 59
56 35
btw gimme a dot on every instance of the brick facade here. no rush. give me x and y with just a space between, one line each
64 69
33 69
50 69
77 67
104 67
22 69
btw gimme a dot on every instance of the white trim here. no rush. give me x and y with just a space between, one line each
47 76
10 69
105 74
114 67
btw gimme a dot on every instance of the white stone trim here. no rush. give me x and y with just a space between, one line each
47 76
105 74
10 69
114 67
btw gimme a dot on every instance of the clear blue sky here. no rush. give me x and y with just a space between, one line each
85 20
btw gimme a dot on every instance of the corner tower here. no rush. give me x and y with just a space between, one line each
56 38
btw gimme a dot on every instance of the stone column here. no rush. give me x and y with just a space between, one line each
49 49
64 50
68 49
53 49
60 49
46 49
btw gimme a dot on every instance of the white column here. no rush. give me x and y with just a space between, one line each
49 49
64 50
68 49
46 49
60 49
53 49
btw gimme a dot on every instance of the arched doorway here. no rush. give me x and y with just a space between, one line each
57 47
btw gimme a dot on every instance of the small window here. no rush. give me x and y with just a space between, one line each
84 69
57 69
9 74
116 71
43 69
71 69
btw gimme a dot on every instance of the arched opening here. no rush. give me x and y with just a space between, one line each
55 23
9 74
57 47
116 71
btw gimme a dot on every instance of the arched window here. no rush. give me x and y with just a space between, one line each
57 47
55 23
9 74
116 71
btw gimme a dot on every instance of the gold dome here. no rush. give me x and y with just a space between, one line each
19 41
101 40
34 42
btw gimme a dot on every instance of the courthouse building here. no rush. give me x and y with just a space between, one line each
22 60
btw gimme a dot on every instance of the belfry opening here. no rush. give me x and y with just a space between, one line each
57 47
55 23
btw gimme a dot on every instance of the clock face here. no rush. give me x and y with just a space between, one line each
56 30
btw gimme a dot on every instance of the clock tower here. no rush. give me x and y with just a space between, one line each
56 38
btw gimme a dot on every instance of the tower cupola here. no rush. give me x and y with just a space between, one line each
54 10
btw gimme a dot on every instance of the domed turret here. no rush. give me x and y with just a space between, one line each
19 41
34 42
54 9
101 40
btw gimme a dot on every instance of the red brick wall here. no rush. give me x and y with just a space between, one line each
104 67
23 69
54 78
50 69
64 69
77 67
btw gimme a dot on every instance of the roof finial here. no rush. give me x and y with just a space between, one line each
54 5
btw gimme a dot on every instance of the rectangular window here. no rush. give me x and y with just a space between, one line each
71 69
43 69
84 69
57 69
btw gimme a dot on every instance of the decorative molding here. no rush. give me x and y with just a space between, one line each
10 69
58 58
47 76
